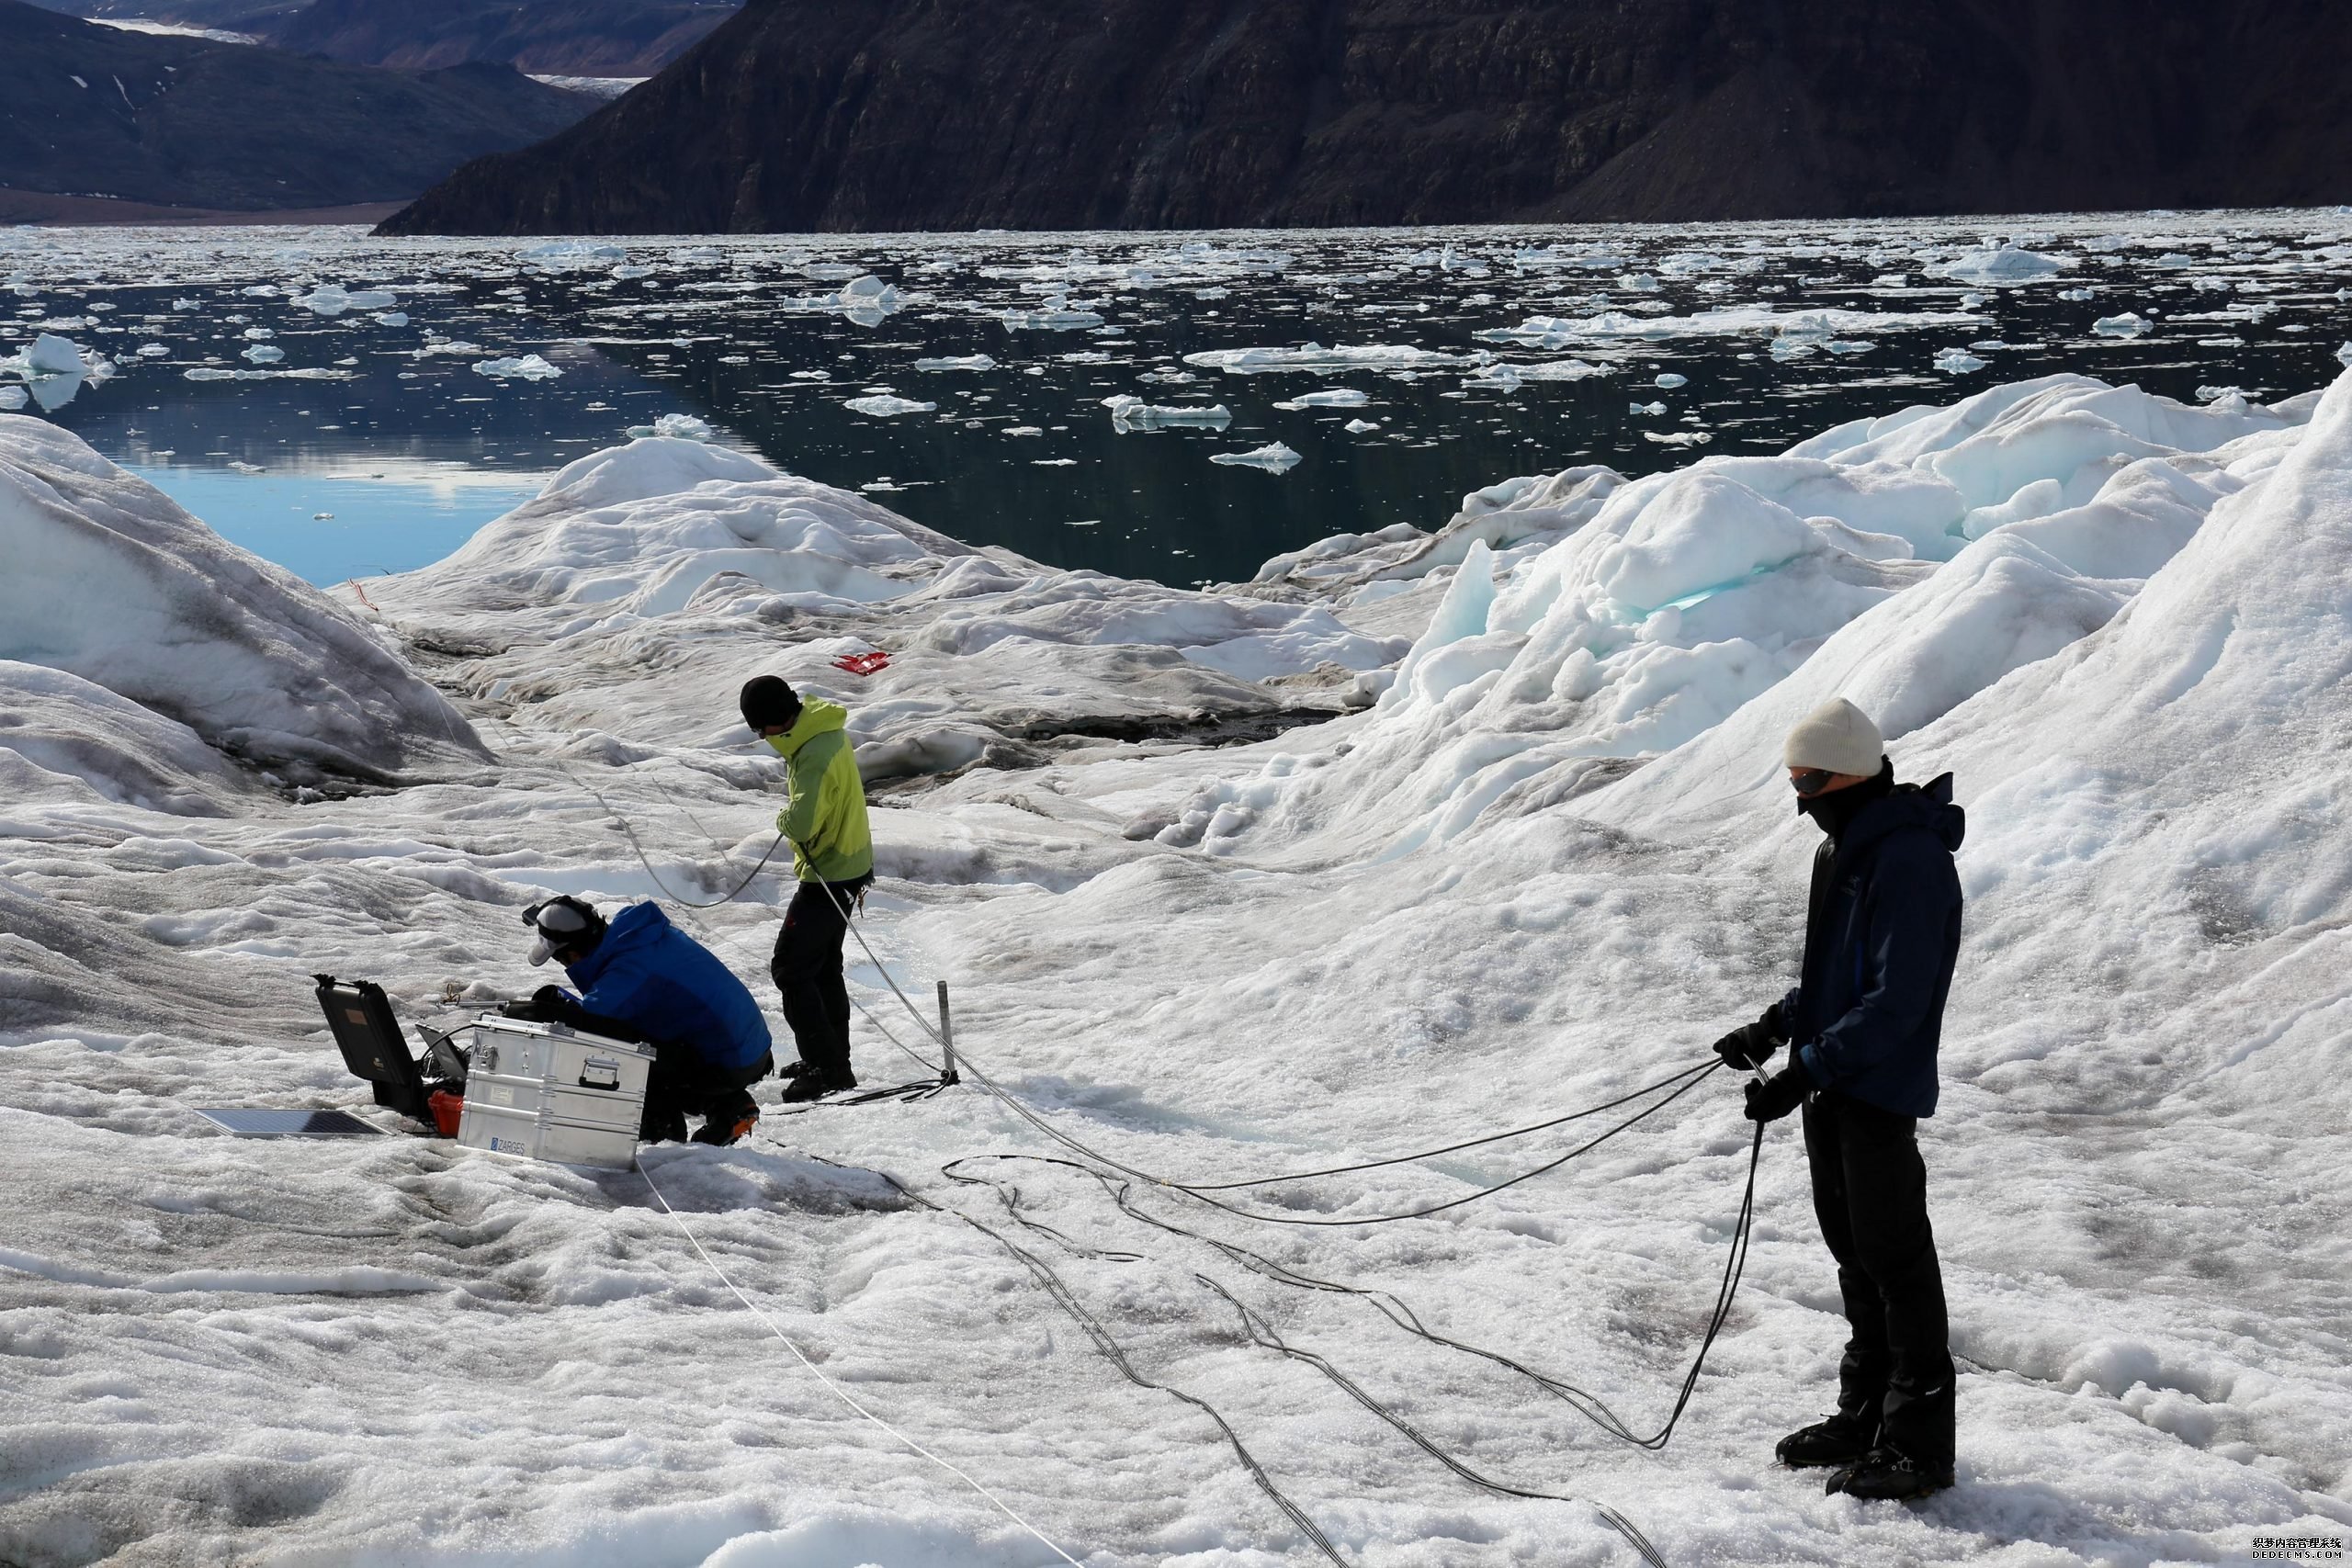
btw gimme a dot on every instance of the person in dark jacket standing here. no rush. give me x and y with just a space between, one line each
642 979
1881 936
832 852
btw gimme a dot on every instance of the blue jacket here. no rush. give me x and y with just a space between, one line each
1880 940
671 989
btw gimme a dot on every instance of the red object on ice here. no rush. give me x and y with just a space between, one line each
863 663
448 1109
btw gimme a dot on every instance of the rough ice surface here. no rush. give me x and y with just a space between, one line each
1546 866
109 579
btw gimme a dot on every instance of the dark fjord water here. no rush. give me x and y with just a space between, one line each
381 433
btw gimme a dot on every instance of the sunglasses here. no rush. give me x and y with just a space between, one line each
1811 781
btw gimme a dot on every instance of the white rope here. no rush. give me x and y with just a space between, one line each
838 1391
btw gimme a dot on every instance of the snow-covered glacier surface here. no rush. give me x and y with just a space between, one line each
1535 856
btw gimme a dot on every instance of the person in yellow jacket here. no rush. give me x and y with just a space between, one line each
832 852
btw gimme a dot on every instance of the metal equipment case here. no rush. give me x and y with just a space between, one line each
550 1092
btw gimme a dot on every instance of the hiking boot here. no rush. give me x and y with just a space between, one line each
815 1086
1843 1439
1888 1475
729 1124
792 1069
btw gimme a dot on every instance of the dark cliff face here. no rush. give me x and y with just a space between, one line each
96 111
574 37
833 114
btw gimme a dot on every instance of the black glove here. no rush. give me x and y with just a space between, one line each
1780 1094
545 1005
1751 1044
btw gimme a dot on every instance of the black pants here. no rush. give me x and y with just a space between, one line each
807 972
1870 1192
682 1085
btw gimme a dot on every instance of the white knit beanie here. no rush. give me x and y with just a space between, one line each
1836 736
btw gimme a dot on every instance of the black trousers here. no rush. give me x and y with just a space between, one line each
682 1085
807 969
1870 1192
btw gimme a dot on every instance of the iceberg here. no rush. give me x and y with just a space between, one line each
329 300
2128 324
1330 398
2006 263
1129 412
886 405
1275 457
527 368
967 362
1314 357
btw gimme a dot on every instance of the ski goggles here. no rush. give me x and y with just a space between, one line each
1811 781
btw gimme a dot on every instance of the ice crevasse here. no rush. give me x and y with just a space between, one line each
1909 561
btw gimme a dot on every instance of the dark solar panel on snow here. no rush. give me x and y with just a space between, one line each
257 1123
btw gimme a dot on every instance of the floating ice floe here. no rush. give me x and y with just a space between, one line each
1958 362
1357 426
886 405
675 427
52 369
1314 357
1129 412
967 362
264 353
570 256
1275 457
2128 324
1667 380
525 368
863 300
2003 264
456 348
1330 398
1055 315
390 318
1651 409
1559 332
329 300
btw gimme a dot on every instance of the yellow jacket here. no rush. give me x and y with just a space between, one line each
826 819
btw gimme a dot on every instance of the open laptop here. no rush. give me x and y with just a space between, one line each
372 1044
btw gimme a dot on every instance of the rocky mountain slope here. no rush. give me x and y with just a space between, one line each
578 37
917 114
99 112
575 37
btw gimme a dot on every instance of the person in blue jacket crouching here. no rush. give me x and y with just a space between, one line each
643 980
1881 941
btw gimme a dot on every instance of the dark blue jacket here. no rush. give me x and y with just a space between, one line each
671 989
1880 939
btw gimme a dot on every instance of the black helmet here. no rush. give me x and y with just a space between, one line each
769 703
563 924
